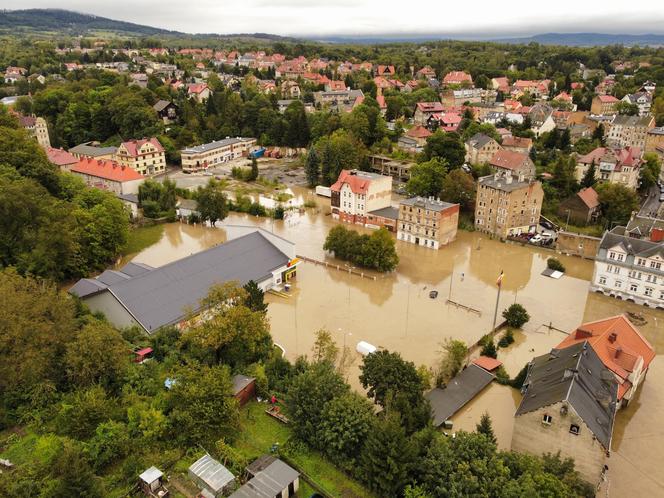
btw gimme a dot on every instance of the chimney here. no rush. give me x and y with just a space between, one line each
618 351
582 333
612 337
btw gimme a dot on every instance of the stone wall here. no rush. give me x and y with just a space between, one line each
575 244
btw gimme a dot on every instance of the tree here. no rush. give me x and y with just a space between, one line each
452 359
324 348
254 169
345 423
426 179
72 475
110 442
617 202
459 187
341 150
212 202
379 252
308 395
516 316
555 264
598 133
588 179
98 355
564 179
486 427
255 299
312 167
489 349
650 171
447 146
201 406
627 108
388 457
383 372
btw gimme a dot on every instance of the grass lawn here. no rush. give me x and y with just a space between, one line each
260 431
142 237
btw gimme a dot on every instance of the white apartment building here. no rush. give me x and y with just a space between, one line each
203 156
357 193
630 269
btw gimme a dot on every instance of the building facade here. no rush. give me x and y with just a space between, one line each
507 205
146 156
427 222
107 175
37 128
480 148
206 155
629 131
629 268
356 193
612 165
604 104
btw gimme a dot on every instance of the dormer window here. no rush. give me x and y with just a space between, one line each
574 429
547 419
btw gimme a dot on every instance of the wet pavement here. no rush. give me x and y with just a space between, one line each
395 312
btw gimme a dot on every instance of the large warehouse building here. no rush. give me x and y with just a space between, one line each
152 298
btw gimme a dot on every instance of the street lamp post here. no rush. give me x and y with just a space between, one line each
567 223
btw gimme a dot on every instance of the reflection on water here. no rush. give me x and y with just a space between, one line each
396 312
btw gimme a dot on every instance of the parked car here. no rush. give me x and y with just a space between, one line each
535 239
661 197
547 224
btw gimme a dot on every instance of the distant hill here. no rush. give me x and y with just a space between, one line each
588 39
65 21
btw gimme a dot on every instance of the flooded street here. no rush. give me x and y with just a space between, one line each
395 312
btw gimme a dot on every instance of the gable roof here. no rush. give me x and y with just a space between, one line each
418 132
430 106
162 104
479 140
215 476
508 159
358 181
575 375
162 296
454 76
270 477
589 197
86 149
60 157
133 147
618 344
631 245
108 170
521 142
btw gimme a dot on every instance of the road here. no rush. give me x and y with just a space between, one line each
651 205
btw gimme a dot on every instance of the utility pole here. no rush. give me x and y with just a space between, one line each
449 298
495 313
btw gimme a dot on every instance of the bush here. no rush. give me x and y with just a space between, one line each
243 174
506 339
489 350
555 264
517 382
516 316
502 377
376 251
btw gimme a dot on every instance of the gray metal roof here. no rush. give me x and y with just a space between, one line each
133 198
502 184
386 212
427 203
92 151
151 475
161 105
89 286
577 375
631 245
212 473
479 140
268 482
240 382
213 145
163 295
460 390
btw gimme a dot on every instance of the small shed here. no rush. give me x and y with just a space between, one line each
244 388
487 363
151 483
271 478
142 355
211 476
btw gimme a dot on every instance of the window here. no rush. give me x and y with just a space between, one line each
655 265
641 262
618 284
602 280
547 419
574 429
633 287
612 255
648 291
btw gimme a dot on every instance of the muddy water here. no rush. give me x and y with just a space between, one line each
395 312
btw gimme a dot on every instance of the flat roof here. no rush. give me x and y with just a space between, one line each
427 203
197 149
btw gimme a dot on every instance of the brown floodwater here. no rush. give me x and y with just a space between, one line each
395 312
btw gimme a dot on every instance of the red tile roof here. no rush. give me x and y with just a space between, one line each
457 77
487 363
133 146
358 184
430 106
508 159
628 156
517 142
197 88
619 345
607 99
418 132
60 157
589 197
381 101
108 170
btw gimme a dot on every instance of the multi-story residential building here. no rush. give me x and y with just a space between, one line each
146 156
612 165
604 104
642 100
507 204
37 128
655 139
206 155
517 144
630 269
541 119
107 175
568 407
343 100
458 78
468 96
622 349
510 162
424 110
480 148
629 131
427 222
355 194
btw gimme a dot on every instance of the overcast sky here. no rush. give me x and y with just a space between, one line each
371 17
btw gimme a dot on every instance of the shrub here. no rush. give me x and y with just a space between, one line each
489 350
506 339
555 264
516 316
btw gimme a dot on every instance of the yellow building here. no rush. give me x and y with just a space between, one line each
144 156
